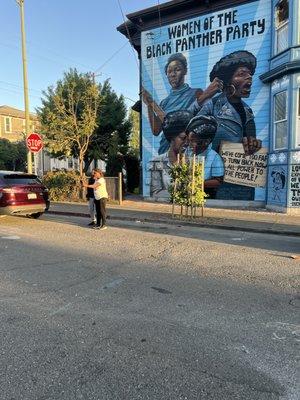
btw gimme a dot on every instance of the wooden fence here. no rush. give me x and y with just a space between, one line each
114 188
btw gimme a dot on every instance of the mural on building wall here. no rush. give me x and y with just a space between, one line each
294 189
202 94
278 185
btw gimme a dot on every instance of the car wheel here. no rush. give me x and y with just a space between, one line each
36 215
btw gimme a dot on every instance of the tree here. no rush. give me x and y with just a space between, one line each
68 115
134 141
113 129
13 156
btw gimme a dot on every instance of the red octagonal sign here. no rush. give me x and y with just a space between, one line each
34 142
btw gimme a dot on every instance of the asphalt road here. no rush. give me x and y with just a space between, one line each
144 311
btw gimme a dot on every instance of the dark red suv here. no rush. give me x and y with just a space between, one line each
22 194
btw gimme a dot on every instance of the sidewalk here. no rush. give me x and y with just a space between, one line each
260 221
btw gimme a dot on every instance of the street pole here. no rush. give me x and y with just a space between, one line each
26 98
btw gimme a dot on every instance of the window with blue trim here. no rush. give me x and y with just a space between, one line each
280 121
281 26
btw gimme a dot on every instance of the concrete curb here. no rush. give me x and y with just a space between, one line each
183 223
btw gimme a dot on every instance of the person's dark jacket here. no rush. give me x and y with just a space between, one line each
90 191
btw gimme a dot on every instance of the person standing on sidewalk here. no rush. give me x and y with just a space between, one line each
101 196
91 200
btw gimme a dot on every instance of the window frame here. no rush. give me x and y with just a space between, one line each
279 121
278 28
10 124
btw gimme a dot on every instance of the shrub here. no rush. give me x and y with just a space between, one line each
183 190
63 185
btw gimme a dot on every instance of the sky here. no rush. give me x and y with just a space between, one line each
64 34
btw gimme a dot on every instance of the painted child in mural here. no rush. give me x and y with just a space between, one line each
181 97
201 131
173 127
181 131
235 118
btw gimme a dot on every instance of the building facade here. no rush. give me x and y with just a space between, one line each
12 123
237 63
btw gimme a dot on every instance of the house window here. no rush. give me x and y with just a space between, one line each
280 121
281 26
7 124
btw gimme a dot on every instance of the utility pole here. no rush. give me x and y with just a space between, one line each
25 81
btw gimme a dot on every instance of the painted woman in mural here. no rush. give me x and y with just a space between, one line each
201 131
181 96
235 118
173 126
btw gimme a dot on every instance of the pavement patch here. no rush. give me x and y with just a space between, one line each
113 284
61 310
161 290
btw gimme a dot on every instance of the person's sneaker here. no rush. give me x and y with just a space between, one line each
93 223
103 227
96 227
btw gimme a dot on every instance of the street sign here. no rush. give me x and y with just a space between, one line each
34 142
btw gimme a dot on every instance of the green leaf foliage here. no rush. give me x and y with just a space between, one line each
113 130
183 190
68 115
13 155
134 142
63 185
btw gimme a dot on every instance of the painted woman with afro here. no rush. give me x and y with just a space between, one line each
181 96
235 118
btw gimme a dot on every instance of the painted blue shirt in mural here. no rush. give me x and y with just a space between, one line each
178 99
230 126
213 163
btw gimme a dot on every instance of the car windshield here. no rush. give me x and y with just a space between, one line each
18 179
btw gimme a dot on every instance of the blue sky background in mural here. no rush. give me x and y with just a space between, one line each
200 62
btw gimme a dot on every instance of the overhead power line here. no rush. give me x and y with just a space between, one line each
111 57
128 34
159 16
19 86
18 92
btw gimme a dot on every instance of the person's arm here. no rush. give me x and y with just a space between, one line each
205 109
250 143
92 186
214 87
217 172
213 182
156 114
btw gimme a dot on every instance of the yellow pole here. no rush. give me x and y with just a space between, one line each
202 173
26 98
193 184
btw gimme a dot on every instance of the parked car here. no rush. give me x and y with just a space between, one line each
22 194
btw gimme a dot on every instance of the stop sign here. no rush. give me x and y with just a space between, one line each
34 142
